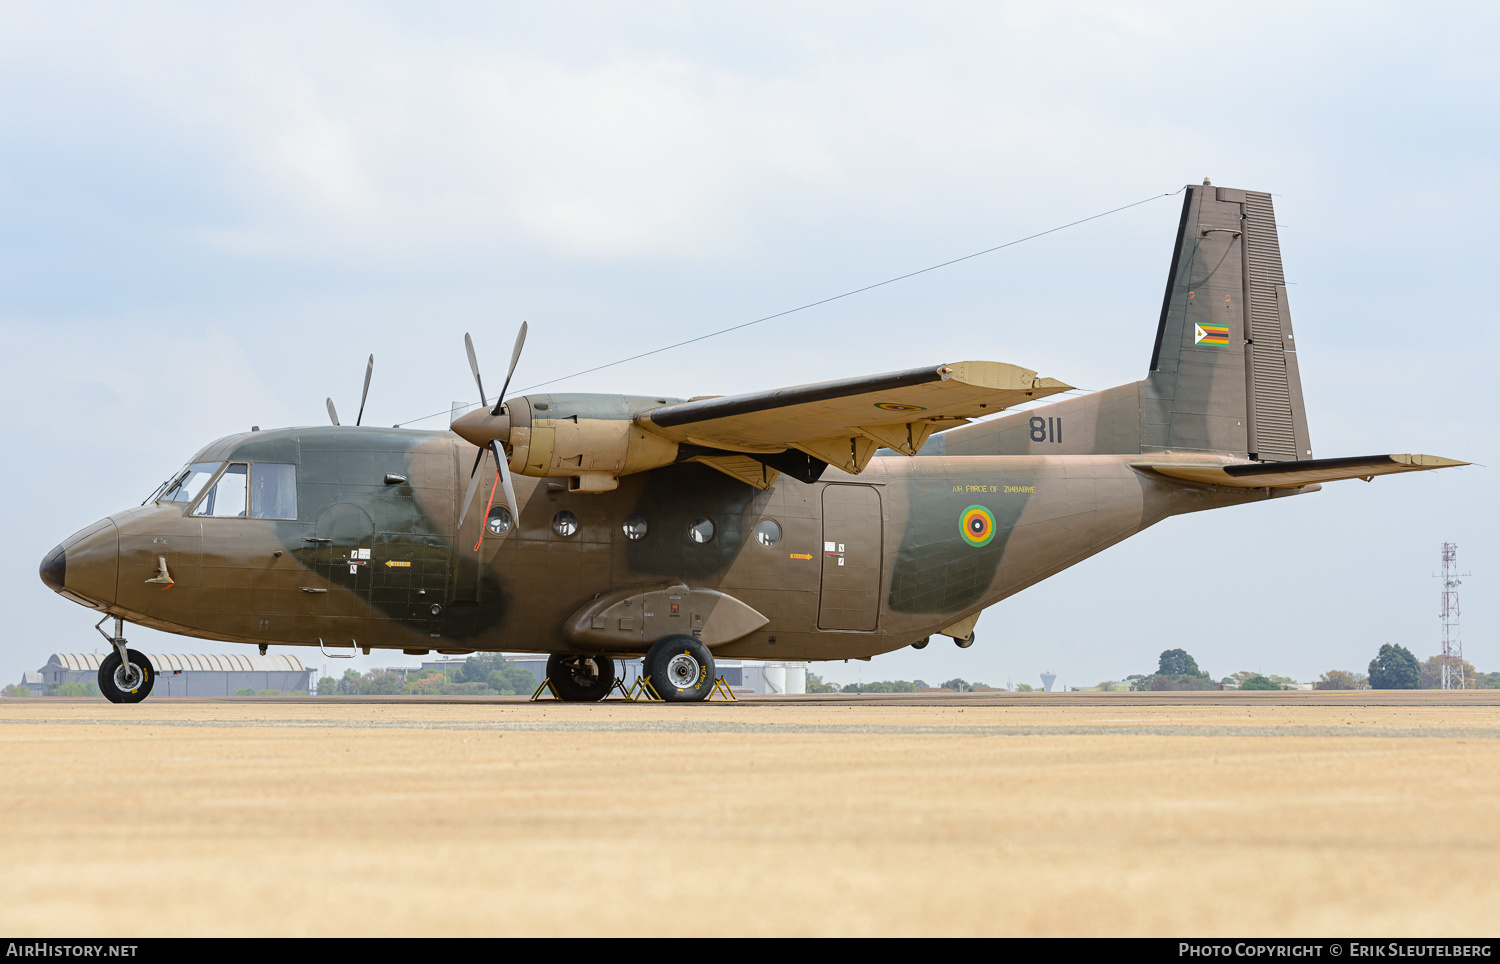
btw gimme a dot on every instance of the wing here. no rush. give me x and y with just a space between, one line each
843 422
1291 475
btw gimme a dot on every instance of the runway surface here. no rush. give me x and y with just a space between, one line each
1000 814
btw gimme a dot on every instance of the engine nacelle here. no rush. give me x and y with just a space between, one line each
591 440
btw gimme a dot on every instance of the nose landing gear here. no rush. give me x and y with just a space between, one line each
125 676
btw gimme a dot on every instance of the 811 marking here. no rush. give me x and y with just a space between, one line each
1046 429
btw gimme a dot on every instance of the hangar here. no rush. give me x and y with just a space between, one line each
193 674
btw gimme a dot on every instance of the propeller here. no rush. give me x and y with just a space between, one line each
493 445
369 370
333 413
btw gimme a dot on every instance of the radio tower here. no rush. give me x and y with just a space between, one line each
1453 645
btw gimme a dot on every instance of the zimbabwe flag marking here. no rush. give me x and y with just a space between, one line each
1210 334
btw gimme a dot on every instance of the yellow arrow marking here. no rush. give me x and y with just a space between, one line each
397 564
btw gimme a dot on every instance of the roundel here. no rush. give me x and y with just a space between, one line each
898 407
978 525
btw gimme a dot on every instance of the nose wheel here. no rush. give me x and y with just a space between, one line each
125 676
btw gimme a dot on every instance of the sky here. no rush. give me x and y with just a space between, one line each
211 214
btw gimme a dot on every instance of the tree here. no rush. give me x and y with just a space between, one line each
1432 673
1161 681
1177 662
815 684
1258 682
380 683
328 686
1338 679
960 685
1395 668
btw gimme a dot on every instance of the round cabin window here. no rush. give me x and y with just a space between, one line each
565 523
499 520
635 527
768 533
702 530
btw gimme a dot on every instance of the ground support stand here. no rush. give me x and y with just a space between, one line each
721 693
639 691
546 685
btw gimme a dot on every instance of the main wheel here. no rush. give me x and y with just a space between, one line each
681 669
119 686
581 679
966 642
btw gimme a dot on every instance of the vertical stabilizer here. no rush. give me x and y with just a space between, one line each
1224 372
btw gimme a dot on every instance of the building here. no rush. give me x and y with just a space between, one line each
202 674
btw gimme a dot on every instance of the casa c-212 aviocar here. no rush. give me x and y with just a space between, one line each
829 521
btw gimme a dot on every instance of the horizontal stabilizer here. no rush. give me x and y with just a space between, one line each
1291 475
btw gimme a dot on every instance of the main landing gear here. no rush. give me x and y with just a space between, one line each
125 676
680 669
581 679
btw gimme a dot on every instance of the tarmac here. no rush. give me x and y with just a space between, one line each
1171 814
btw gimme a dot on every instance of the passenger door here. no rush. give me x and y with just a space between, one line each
343 541
852 534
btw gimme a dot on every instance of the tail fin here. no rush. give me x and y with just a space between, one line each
1223 373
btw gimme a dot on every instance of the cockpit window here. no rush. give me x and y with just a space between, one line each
227 497
273 491
190 482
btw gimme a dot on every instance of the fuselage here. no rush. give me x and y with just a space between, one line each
371 554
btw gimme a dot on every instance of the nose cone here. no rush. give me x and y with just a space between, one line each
479 427
54 569
86 566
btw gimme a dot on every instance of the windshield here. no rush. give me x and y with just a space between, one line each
190 482
227 497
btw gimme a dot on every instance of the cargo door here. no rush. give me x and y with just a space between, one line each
413 558
850 598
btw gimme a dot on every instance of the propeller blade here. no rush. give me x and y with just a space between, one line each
474 366
473 484
510 490
333 413
369 370
515 356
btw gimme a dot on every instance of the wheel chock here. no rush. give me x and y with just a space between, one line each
639 691
546 685
722 691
